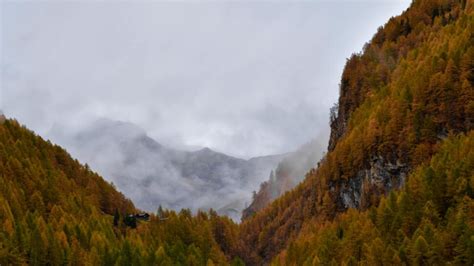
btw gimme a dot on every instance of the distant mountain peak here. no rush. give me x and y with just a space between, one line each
152 174
205 149
109 124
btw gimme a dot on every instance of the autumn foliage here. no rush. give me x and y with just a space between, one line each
55 211
406 103
408 90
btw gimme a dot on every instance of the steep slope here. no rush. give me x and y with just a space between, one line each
289 172
430 221
55 211
410 88
153 175
396 186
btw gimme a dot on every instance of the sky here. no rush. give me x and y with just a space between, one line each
247 78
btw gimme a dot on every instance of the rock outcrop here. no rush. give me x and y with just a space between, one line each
361 190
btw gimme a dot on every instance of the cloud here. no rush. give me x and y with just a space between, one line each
246 78
152 174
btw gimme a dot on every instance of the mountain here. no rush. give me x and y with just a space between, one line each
396 186
153 175
55 211
289 172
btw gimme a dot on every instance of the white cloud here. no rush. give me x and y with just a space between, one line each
246 78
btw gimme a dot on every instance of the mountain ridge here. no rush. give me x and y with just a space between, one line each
410 89
153 174
396 186
55 211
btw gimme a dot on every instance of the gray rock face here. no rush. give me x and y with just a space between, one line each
350 194
338 124
380 177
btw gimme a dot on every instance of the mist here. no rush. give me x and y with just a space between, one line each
245 79
154 175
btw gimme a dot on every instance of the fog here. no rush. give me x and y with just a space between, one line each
245 78
153 175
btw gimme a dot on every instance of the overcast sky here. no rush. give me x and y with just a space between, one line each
244 78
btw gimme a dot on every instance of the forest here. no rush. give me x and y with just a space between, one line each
396 186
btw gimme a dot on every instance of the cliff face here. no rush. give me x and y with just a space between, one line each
422 118
367 185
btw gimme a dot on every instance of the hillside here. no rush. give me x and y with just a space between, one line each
395 188
429 221
408 90
55 211
152 174
289 172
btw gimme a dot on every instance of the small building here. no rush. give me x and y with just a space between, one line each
142 216
131 219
